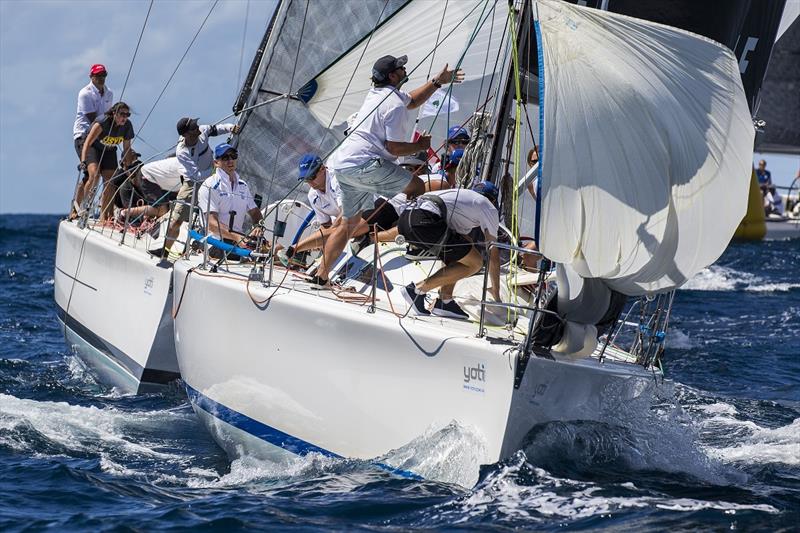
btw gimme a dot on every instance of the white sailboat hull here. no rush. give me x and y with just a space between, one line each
306 373
115 303
782 228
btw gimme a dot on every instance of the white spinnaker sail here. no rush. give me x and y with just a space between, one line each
413 31
647 142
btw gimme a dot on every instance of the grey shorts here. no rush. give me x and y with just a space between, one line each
181 212
360 184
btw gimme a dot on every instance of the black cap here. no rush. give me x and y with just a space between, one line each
385 65
186 124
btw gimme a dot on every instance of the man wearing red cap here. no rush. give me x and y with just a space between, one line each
93 100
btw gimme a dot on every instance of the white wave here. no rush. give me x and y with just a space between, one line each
249 469
78 429
762 445
50 281
452 454
679 340
720 278
547 496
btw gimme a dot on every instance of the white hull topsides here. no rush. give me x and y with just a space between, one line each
115 303
306 372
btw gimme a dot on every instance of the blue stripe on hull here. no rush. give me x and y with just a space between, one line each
271 435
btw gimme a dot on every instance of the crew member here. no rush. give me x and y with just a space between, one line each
365 164
225 198
93 101
440 222
160 181
194 153
99 153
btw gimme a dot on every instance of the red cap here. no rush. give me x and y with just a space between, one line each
97 69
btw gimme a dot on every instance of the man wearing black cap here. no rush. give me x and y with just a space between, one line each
196 157
366 162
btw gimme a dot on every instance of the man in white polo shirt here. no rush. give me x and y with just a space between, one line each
366 162
93 100
225 198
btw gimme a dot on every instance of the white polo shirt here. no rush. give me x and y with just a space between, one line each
166 173
387 119
90 101
327 205
218 195
466 210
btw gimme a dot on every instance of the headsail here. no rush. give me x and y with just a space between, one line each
431 33
646 146
303 39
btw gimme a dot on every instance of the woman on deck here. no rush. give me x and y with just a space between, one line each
99 154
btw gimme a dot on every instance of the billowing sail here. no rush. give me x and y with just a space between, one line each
431 33
646 147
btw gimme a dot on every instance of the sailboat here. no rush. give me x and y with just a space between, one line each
645 139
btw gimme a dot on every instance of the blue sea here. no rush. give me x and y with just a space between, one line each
718 449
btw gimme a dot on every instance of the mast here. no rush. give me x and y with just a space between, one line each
490 171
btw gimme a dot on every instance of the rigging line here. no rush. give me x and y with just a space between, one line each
463 56
486 59
353 75
286 108
244 40
185 53
438 34
136 50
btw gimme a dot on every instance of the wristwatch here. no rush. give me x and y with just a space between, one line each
436 83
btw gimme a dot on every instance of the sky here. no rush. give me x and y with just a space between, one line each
47 47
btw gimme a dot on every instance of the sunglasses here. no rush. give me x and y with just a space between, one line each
458 142
101 75
123 113
230 156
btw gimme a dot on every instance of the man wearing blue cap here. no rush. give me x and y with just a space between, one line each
440 222
325 199
224 198
457 138
366 162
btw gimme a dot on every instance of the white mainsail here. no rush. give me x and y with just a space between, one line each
468 28
646 147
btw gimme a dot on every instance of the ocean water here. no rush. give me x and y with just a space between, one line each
718 449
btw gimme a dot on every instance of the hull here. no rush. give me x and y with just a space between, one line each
780 229
115 304
307 373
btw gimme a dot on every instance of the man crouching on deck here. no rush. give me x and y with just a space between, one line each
441 222
365 164
225 195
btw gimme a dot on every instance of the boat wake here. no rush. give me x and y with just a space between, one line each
720 278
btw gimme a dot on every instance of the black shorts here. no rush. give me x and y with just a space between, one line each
155 195
385 216
109 160
426 229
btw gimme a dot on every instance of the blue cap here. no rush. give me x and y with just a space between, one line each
222 149
309 164
457 132
488 189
